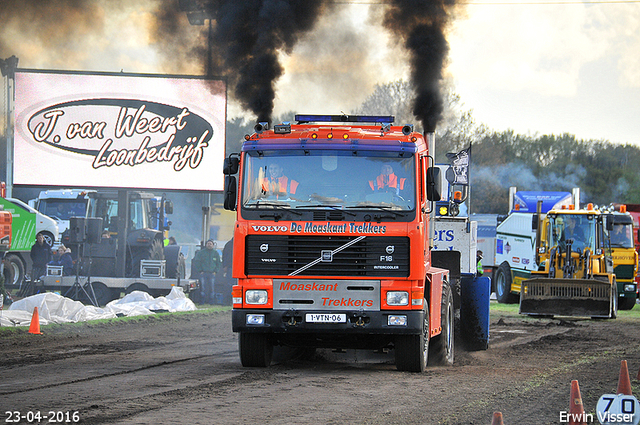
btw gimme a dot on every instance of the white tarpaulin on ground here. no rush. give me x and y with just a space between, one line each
54 308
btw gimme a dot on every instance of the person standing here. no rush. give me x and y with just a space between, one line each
226 282
205 264
40 256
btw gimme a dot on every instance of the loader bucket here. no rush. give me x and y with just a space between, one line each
567 297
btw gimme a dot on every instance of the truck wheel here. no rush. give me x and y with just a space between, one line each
48 238
412 351
441 349
13 271
626 303
172 256
155 251
137 287
182 267
503 285
614 300
102 293
255 349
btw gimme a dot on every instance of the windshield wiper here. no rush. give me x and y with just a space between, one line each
333 207
275 205
381 208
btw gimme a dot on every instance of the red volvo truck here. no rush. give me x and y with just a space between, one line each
332 243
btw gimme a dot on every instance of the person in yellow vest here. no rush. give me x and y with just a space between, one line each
277 184
479 264
387 181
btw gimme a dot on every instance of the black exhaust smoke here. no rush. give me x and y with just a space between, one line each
247 38
420 25
248 35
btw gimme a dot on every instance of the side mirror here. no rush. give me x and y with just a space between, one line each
230 193
168 207
433 184
231 165
534 222
609 221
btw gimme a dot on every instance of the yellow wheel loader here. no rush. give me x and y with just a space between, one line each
575 275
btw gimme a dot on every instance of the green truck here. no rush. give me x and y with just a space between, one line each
27 223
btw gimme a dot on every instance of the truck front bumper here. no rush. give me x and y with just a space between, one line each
356 322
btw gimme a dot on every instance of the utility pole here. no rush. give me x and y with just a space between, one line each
8 68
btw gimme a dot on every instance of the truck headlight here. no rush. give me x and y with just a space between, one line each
397 320
630 288
397 298
255 319
256 296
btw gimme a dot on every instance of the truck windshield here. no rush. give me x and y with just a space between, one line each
621 236
63 209
574 231
336 179
107 209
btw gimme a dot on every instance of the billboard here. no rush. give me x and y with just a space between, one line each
119 130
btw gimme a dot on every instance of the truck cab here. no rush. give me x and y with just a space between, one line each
143 241
61 205
625 257
332 241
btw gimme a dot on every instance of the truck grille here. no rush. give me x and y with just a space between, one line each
542 289
624 271
377 256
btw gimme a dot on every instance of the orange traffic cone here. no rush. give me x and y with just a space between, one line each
576 409
35 322
624 383
497 418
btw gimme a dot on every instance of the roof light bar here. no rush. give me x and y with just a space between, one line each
303 119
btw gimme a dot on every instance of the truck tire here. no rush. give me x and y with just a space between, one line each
614 300
154 251
175 265
441 348
137 287
503 285
48 238
412 351
256 350
103 294
14 271
626 303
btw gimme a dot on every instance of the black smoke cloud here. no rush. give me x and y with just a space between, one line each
248 37
47 25
421 26
251 35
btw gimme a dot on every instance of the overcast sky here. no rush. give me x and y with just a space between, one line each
552 68
537 67
534 66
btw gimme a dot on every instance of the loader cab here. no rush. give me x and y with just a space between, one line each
573 232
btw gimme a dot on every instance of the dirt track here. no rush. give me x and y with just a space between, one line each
184 368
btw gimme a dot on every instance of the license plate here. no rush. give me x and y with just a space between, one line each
326 318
